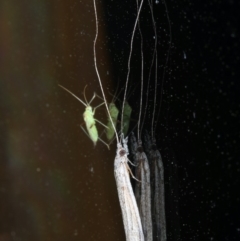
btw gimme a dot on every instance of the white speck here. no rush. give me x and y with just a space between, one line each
184 55
47 105
91 170
38 169
194 115
157 2
75 232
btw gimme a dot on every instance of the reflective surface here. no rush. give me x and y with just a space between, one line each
54 184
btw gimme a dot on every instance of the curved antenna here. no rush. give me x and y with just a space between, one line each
142 68
95 63
155 92
73 95
164 69
129 61
156 69
151 66
115 95
85 95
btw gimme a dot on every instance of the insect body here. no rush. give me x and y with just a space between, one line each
90 122
142 189
88 117
127 111
130 212
113 110
158 193
143 173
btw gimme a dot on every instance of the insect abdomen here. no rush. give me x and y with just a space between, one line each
90 124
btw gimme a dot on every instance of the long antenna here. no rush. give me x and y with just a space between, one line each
152 62
164 69
142 68
156 71
74 95
129 61
95 63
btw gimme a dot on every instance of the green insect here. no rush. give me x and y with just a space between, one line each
127 111
113 110
89 119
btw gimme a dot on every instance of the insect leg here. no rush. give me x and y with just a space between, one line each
101 123
132 163
130 171
104 143
73 95
97 107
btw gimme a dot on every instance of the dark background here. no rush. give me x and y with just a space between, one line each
197 132
54 185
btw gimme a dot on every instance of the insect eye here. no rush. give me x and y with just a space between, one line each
140 149
122 152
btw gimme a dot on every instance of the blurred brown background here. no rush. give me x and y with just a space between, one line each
54 185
